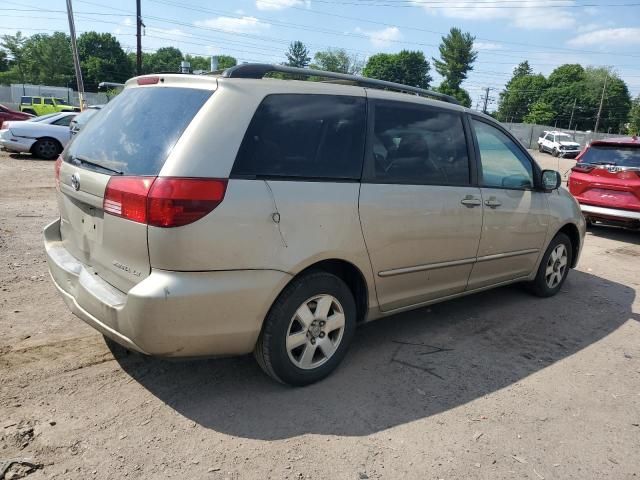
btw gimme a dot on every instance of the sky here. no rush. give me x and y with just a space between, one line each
547 33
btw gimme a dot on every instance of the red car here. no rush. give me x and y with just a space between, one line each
606 181
6 114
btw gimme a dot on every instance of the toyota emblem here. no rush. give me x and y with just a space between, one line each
75 181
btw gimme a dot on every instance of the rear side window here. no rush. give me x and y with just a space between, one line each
613 155
418 145
48 101
135 132
304 136
64 121
26 100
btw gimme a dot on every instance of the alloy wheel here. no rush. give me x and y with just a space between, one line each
556 266
315 331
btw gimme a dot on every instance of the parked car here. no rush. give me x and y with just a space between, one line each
82 118
44 137
606 181
219 215
44 105
7 114
558 144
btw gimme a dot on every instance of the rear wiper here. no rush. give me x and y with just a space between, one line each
84 161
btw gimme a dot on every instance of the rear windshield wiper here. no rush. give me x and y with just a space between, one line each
83 161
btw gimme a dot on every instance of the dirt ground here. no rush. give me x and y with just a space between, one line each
499 385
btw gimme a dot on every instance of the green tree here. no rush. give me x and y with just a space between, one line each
165 59
523 69
456 57
14 45
520 93
617 100
198 62
102 59
337 60
298 55
407 67
540 114
47 60
634 117
456 61
226 61
4 61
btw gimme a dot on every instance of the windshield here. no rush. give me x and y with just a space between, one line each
135 132
61 101
612 155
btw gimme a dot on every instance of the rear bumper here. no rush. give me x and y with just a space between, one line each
171 314
614 213
15 144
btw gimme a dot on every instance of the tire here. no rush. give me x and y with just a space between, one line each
46 148
314 351
561 247
540 148
555 152
32 112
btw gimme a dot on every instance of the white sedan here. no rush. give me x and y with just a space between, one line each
44 137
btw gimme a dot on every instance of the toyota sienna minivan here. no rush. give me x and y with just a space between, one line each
225 214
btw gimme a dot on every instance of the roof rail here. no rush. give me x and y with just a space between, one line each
259 70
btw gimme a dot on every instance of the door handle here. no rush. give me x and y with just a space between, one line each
493 202
470 201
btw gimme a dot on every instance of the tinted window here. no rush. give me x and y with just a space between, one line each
503 163
25 100
64 121
48 101
418 145
310 136
135 132
37 101
619 156
61 101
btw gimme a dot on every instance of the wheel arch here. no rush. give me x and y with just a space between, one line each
350 274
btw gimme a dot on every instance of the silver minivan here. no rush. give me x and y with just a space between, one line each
228 214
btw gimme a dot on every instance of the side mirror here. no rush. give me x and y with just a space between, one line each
551 180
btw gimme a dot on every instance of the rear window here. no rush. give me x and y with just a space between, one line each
304 136
135 132
613 155
25 100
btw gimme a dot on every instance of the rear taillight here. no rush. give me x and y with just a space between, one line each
582 168
56 169
126 197
164 201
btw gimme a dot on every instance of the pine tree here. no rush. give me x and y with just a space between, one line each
298 55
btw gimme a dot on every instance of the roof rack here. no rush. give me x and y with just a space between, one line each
259 70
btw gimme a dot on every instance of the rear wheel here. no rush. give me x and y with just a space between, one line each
46 148
553 268
308 330
28 110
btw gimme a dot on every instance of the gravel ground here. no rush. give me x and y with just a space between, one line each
496 385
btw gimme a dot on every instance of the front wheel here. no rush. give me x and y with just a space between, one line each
555 152
554 267
540 148
308 329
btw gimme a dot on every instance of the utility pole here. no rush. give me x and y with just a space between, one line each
572 110
486 99
604 87
139 26
76 58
